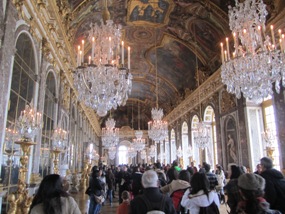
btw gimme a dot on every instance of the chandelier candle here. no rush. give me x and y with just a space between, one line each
256 61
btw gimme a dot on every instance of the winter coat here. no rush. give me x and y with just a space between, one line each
154 196
68 206
175 185
274 189
200 199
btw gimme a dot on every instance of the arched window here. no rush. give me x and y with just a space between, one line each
48 124
167 153
21 93
123 154
211 151
195 149
173 146
185 145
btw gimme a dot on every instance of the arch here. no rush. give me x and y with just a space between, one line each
211 151
195 149
185 145
22 92
122 154
50 123
172 145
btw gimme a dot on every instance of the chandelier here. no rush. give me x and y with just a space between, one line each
179 152
59 138
157 128
152 151
143 154
110 134
103 83
29 122
139 142
201 131
132 152
112 153
257 61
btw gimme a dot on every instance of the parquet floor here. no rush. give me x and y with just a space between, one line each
83 203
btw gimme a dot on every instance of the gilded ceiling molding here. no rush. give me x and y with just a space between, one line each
205 91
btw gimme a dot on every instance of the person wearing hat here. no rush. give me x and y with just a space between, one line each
251 188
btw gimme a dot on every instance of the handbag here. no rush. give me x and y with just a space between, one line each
99 199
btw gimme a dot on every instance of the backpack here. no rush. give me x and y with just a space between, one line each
176 197
211 209
150 209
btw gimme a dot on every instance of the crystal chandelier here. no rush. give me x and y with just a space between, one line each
110 134
257 61
143 154
59 138
132 152
201 131
29 122
157 128
112 153
138 142
179 152
104 83
152 151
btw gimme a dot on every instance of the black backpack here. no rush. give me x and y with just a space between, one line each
211 209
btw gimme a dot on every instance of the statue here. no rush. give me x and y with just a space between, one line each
232 149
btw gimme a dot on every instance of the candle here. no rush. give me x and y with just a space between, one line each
89 60
234 54
82 52
222 52
110 49
129 57
235 41
283 42
93 48
260 36
272 35
123 53
228 49
78 56
226 56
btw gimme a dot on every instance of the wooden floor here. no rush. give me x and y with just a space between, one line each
83 203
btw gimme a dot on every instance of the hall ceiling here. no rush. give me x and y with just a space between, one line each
173 28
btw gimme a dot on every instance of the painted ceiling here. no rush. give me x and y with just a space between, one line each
165 37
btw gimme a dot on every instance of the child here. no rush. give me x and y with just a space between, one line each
124 207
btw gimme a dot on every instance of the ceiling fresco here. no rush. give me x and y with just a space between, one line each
164 36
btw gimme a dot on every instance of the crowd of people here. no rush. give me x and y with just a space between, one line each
170 189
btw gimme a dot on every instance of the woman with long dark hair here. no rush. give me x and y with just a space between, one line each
200 195
231 189
52 199
96 187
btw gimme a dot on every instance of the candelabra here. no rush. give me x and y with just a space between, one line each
257 61
28 124
269 137
138 142
59 142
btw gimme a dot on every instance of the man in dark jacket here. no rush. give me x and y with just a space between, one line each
152 198
275 185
